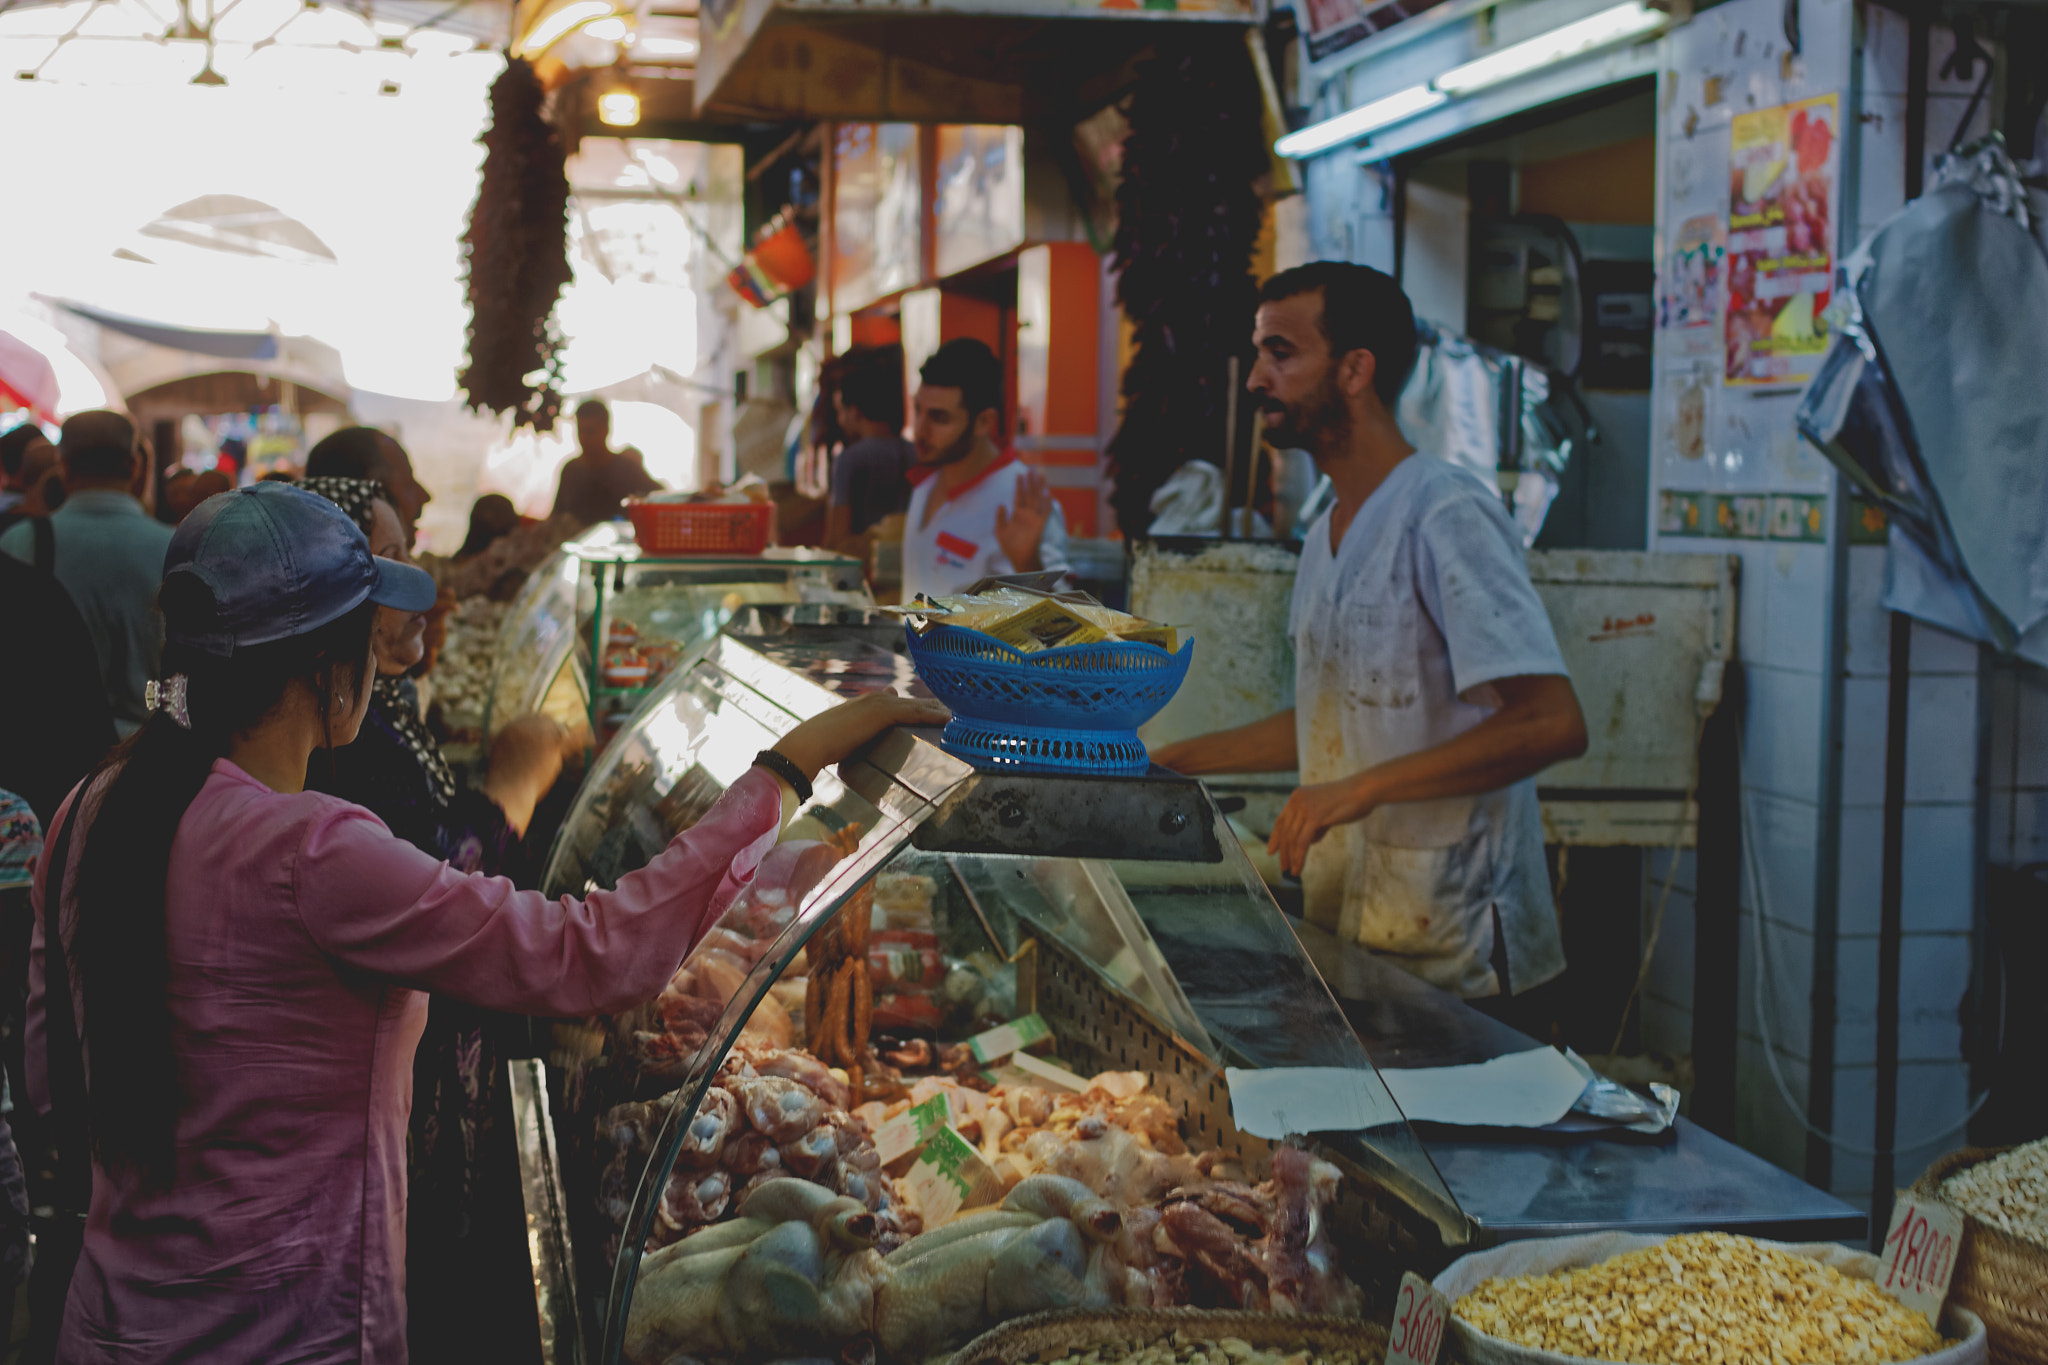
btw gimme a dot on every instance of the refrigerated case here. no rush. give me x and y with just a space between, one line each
601 598
1119 909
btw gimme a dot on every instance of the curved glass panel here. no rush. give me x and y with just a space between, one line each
528 673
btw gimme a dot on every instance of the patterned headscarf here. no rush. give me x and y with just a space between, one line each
396 701
353 496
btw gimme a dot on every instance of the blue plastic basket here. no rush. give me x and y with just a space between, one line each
1077 706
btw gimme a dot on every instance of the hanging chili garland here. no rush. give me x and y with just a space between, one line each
517 247
1189 214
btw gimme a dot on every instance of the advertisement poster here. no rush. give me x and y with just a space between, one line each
1334 25
877 221
1781 175
1689 295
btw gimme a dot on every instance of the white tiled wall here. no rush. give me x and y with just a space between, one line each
1787 596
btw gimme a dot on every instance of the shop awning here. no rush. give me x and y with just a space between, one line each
225 345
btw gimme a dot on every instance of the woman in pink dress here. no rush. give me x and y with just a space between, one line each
248 962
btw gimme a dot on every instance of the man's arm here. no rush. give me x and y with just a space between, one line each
1264 746
1538 724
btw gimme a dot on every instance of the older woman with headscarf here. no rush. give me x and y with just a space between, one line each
464 1202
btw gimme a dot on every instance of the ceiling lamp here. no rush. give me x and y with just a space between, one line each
619 107
655 49
1600 30
611 29
558 25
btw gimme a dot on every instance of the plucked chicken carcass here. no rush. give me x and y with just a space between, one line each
795 1274
769 1115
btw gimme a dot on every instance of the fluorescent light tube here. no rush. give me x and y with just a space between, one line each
1608 26
556 26
1356 123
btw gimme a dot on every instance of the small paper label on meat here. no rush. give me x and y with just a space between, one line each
949 1177
1920 1255
1046 1072
1419 1317
910 1129
998 1043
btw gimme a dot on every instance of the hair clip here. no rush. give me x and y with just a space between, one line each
168 697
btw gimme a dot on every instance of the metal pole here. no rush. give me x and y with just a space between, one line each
1898 699
1229 447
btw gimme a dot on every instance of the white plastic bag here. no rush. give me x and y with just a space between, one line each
1545 1255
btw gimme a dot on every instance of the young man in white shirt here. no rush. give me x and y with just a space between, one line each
975 511
1429 690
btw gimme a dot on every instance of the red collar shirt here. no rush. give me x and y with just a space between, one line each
958 545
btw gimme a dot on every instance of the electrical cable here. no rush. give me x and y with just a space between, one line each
1763 1027
1685 809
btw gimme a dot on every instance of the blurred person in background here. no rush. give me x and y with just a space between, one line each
52 729
367 453
108 552
25 456
491 517
465 1234
596 483
870 477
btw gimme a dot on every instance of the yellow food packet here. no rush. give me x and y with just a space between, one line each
1045 625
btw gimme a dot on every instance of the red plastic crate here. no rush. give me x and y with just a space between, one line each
701 528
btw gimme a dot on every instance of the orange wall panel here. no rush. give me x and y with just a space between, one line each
1612 184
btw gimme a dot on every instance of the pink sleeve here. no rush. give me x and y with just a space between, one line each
376 902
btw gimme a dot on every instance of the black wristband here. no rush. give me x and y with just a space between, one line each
785 768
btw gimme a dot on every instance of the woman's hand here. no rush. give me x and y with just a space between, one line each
825 739
526 758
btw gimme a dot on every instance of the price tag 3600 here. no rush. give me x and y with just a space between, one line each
1420 1315
1920 1255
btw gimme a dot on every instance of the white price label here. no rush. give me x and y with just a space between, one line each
1920 1255
950 1176
999 1043
908 1130
1420 1315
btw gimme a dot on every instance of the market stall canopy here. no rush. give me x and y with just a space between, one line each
41 370
162 367
1010 61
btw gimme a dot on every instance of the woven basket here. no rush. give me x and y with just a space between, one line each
1999 1277
1066 1331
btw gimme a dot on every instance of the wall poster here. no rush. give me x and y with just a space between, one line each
1781 175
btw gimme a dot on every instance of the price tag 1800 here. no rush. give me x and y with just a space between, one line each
1920 1255
1420 1316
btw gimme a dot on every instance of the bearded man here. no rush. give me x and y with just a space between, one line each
1429 690
975 511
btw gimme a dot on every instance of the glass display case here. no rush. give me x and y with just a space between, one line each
964 1049
637 616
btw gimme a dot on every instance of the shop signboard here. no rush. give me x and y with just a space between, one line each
1781 174
977 194
877 213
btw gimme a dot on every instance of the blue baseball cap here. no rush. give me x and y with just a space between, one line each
277 561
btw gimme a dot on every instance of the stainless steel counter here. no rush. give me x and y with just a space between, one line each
1517 1186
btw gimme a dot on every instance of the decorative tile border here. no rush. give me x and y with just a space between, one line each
1743 516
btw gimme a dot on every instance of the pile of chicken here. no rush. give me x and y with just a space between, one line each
1155 1225
770 1114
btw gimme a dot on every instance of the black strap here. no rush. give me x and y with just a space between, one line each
46 545
785 768
64 1053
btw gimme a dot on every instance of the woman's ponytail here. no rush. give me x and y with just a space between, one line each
120 948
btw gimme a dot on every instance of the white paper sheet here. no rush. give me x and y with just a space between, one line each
1521 1090
1306 1099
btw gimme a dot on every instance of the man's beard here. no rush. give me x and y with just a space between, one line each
1320 425
952 454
